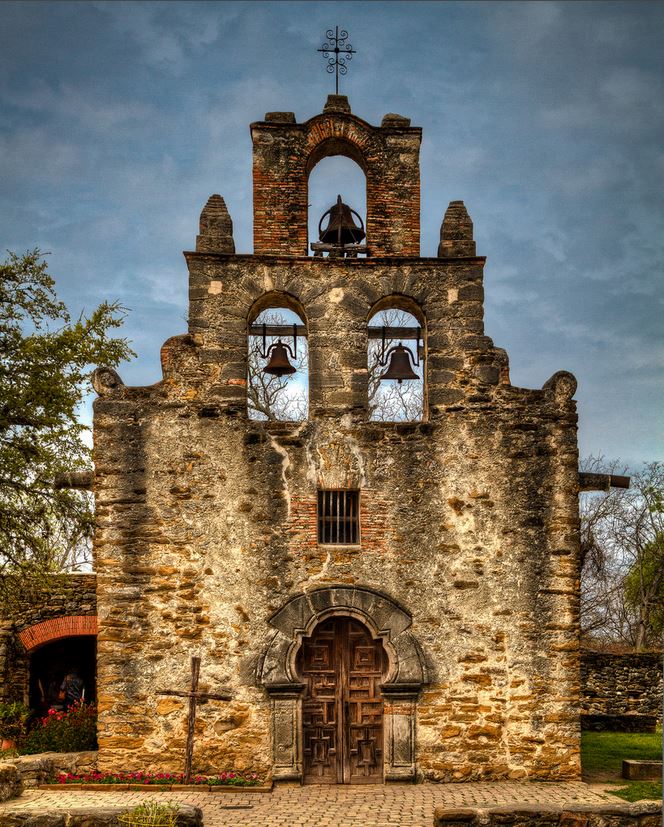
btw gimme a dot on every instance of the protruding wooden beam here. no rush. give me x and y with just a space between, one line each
601 482
75 479
374 331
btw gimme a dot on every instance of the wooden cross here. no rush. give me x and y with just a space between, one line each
194 698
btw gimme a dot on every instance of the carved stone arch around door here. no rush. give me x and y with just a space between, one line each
389 623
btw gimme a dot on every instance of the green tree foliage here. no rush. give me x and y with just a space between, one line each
644 590
46 361
622 550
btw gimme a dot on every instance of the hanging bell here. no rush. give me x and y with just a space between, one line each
341 228
399 367
279 364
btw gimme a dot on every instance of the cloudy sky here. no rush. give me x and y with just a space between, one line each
119 119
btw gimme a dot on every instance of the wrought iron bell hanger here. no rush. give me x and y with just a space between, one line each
400 357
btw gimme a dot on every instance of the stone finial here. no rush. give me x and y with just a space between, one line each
106 380
392 120
337 103
280 117
456 232
216 228
562 386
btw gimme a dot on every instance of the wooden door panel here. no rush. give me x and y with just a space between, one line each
320 718
365 707
342 709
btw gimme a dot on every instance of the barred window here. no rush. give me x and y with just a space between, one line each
339 517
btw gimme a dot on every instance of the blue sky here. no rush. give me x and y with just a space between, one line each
118 120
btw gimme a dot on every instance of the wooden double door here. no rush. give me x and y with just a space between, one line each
342 667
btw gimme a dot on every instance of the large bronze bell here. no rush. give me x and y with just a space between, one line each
341 228
399 367
279 364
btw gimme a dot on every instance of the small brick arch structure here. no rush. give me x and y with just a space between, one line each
407 673
285 152
56 628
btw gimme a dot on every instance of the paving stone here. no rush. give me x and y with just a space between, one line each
366 806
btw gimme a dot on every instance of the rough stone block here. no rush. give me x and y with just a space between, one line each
642 770
11 785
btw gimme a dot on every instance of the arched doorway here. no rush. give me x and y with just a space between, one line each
342 668
389 624
49 664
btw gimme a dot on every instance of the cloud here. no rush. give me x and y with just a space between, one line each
545 118
169 35
36 153
79 104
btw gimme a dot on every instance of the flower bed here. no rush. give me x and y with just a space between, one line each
72 731
159 779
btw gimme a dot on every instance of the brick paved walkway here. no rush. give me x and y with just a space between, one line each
369 806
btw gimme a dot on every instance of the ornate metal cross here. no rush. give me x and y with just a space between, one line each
194 698
336 45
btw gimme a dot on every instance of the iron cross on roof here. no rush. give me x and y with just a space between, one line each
336 51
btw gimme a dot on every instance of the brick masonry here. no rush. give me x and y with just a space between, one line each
57 628
285 152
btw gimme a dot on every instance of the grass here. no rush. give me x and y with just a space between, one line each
638 790
602 754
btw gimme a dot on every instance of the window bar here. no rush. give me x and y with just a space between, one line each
351 517
328 524
336 511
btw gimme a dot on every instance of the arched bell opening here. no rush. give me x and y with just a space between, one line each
50 663
342 667
330 178
395 361
277 360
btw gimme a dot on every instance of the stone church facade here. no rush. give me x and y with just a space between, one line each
442 641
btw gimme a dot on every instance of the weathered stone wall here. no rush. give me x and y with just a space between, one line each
640 814
621 691
90 815
41 768
470 523
68 595
11 785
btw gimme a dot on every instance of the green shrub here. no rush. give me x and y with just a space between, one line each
13 720
72 731
151 814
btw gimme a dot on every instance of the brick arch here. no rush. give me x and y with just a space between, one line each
328 135
56 628
285 153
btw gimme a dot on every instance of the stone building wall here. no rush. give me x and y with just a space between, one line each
621 691
470 534
67 596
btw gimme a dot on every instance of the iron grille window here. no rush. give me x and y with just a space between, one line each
339 517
